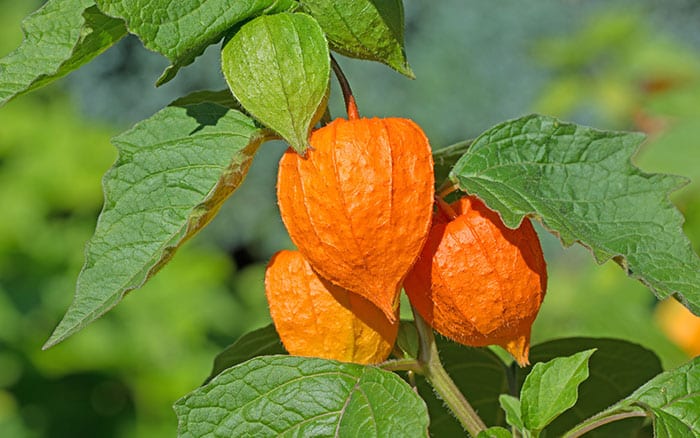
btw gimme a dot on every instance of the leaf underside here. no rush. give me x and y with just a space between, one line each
278 67
580 183
174 171
181 31
59 38
273 396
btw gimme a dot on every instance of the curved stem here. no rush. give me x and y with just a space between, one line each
443 384
350 105
600 420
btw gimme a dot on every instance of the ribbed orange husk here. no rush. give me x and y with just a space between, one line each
317 319
478 282
359 205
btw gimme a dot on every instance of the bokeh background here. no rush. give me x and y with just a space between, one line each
631 65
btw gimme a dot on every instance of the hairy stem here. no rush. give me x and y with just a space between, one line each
443 384
600 420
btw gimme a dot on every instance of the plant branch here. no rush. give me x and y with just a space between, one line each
443 384
601 420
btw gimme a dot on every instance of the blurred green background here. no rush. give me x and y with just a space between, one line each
632 65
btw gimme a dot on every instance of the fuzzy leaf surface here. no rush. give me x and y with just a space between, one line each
274 396
278 68
616 370
181 31
673 398
174 171
365 29
580 183
261 342
58 38
551 388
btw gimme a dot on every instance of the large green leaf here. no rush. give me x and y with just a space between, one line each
278 67
479 374
261 342
174 171
616 369
673 398
581 184
551 388
365 29
273 396
181 31
58 38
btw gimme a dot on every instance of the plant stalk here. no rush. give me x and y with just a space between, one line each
350 105
601 420
443 384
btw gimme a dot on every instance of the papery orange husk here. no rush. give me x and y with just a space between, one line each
358 206
478 282
318 319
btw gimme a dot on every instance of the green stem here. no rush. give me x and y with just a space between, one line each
443 384
406 364
600 420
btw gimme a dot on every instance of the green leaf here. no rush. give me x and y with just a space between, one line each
278 67
673 398
365 29
551 388
481 377
495 432
511 406
581 184
293 396
616 369
181 31
261 342
174 171
58 38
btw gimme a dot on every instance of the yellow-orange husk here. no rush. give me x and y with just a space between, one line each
478 282
680 325
318 319
358 206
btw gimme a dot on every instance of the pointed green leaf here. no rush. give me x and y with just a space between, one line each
278 67
616 369
181 31
581 184
495 432
551 388
511 406
261 342
173 173
673 397
479 374
58 38
274 396
365 29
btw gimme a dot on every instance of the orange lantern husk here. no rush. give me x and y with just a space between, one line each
358 206
479 282
315 318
